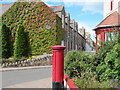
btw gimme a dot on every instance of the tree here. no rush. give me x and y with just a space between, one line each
21 45
5 33
108 60
112 62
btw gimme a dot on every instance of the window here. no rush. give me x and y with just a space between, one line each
107 36
71 45
63 22
110 35
76 47
99 41
62 43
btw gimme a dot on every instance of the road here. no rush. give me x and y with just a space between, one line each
28 78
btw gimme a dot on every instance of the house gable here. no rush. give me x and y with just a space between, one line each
35 17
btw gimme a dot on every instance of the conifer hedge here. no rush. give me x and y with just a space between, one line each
5 34
21 45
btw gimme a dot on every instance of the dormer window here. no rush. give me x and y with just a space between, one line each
111 6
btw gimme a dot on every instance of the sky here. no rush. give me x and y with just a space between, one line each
88 13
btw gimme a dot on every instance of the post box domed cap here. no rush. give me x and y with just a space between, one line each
58 47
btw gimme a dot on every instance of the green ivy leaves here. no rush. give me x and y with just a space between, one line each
34 18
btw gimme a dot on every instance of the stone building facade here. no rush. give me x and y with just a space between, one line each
90 44
73 39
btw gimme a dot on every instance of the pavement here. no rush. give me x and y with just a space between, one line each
27 77
42 83
23 68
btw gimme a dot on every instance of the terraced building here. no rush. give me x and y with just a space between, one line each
46 26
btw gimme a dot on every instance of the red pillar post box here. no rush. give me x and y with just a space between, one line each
58 66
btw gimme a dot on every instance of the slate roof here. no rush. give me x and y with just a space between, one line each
5 7
72 22
67 17
67 14
57 8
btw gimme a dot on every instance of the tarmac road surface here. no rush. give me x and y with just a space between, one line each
27 78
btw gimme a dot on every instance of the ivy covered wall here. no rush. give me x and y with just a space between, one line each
35 17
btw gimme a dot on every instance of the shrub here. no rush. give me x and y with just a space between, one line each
5 33
71 63
106 59
95 71
88 80
21 45
77 62
105 48
111 65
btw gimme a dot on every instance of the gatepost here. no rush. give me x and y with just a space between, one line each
58 67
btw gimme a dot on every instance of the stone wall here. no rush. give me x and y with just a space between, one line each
41 60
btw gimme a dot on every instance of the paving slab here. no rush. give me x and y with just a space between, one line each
26 77
42 83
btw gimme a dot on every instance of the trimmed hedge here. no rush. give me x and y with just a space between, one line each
5 34
21 45
35 17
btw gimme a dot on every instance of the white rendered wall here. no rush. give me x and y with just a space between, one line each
107 7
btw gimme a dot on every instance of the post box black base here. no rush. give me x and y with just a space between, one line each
57 85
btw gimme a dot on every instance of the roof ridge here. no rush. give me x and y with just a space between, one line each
57 6
50 8
7 4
